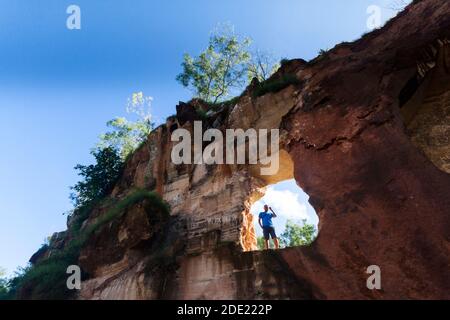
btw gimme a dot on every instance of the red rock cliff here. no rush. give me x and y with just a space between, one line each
365 133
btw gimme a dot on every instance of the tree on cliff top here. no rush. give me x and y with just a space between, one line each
218 69
127 135
261 66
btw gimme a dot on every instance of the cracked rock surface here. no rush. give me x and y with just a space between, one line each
360 135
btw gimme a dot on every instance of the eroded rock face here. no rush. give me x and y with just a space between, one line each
56 243
427 113
380 199
209 213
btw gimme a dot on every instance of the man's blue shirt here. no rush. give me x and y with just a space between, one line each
266 219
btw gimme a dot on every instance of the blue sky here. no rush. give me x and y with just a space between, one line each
58 87
289 202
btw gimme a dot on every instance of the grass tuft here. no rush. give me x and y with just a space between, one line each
275 84
47 279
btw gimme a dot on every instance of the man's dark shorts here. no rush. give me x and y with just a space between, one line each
269 231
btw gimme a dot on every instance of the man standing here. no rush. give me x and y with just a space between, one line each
265 221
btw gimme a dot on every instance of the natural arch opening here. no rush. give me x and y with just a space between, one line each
296 223
425 106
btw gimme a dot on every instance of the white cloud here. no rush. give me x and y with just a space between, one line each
285 203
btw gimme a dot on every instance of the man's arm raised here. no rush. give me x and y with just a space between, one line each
273 213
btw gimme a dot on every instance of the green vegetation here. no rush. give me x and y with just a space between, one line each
201 113
323 52
219 68
80 215
296 235
155 204
275 84
229 102
111 154
8 286
47 279
4 289
98 179
126 136
283 61
3 285
261 66
226 64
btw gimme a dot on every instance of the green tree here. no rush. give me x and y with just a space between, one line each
296 235
218 69
126 135
3 289
99 178
261 66
3 284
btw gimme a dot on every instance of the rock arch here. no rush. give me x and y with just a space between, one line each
380 200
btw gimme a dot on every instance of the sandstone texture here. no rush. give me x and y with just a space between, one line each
365 132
